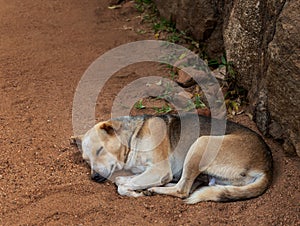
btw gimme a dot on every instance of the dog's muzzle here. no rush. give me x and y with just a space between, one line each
97 177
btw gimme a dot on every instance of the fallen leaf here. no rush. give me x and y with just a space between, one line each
182 56
114 7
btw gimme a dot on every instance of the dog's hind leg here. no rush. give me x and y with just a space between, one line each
190 171
229 192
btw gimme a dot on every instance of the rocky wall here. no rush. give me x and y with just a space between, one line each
262 39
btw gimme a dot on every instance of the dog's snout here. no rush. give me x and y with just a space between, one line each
97 177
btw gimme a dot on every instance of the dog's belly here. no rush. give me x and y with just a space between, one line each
138 169
224 181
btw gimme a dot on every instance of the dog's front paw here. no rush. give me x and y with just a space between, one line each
122 180
153 190
125 191
118 181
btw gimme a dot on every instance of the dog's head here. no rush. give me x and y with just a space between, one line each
102 149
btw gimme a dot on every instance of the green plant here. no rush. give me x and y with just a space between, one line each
139 105
164 109
150 14
196 103
229 67
142 5
173 74
173 37
235 95
163 25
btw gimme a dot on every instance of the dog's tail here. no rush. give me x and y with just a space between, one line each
224 193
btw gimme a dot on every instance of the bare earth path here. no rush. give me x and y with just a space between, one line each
45 46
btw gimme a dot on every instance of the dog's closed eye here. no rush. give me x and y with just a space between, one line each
98 151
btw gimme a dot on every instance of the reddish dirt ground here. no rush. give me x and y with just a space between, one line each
45 48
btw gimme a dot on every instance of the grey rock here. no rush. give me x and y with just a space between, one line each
201 19
283 74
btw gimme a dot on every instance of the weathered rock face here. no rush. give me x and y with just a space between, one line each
262 39
242 39
283 76
203 21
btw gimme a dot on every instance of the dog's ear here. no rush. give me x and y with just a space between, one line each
110 127
76 140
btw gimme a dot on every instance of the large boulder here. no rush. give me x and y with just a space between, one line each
243 40
262 39
197 18
282 77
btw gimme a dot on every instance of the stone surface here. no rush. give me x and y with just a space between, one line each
261 38
200 18
242 39
283 75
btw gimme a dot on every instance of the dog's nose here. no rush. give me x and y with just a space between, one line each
97 177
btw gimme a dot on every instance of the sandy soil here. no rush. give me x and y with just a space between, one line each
44 50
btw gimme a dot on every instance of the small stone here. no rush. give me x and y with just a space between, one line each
184 79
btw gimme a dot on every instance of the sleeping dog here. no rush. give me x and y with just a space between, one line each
149 147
